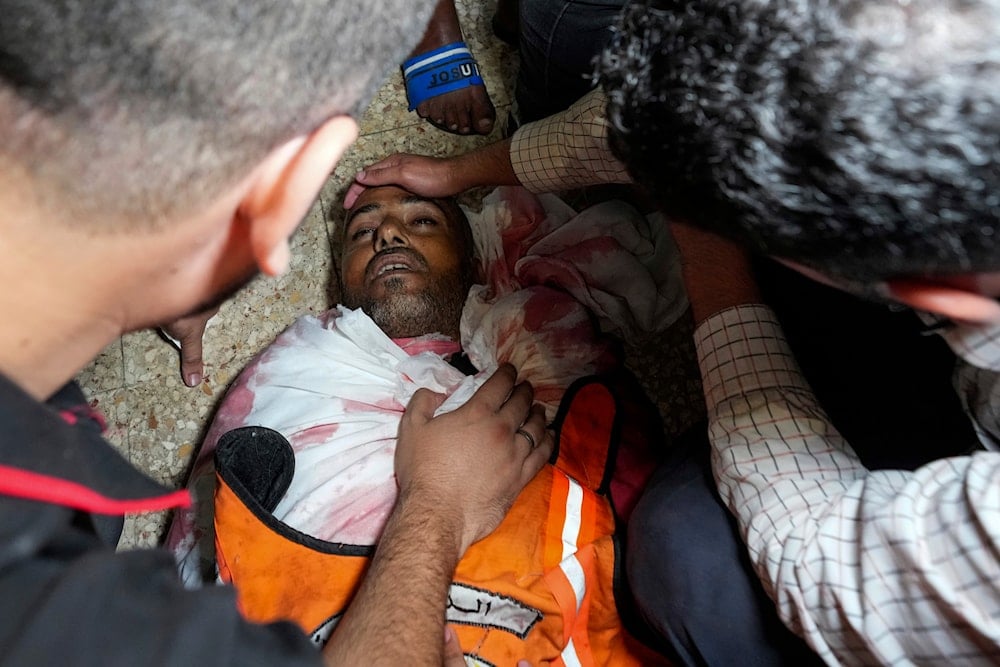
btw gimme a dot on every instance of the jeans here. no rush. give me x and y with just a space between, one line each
690 574
558 42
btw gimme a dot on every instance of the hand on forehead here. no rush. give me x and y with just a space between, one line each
423 175
377 203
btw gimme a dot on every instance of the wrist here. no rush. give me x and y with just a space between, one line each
711 290
485 167
464 173
440 522
717 272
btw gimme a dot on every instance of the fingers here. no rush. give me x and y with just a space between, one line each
383 172
494 392
537 458
452 649
423 405
544 444
533 429
186 334
192 366
388 171
518 404
501 396
385 163
353 192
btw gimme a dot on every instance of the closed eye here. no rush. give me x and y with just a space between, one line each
425 221
359 234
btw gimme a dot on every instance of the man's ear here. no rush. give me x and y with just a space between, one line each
952 302
285 185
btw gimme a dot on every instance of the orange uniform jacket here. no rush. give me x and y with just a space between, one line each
542 587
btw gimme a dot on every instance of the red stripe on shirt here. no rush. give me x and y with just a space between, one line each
20 483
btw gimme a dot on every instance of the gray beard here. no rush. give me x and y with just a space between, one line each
437 309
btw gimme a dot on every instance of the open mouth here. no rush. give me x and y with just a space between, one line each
396 261
392 267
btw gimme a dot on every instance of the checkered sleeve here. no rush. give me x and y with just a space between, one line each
871 567
567 150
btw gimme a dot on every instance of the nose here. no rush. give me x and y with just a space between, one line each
390 233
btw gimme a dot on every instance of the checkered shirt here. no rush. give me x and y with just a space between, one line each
568 150
871 567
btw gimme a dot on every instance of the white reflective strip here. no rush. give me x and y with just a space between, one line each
569 656
570 534
577 579
569 564
433 59
574 517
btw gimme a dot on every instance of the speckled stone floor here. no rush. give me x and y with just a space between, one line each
157 422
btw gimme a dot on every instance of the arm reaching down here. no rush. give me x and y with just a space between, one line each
868 566
566 150
458 474
437 177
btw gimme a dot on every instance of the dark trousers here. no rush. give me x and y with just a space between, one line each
690 574
558 42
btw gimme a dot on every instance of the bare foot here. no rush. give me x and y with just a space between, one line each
464 111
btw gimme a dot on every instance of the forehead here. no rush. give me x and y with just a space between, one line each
388 198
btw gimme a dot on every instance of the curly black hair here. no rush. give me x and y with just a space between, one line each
859 137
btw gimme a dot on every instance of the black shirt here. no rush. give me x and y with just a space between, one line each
66 596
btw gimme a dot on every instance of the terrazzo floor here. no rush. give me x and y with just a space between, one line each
157 422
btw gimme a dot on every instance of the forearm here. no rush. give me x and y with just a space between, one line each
487 166
398 614
564 151
717 272
437 177
723 286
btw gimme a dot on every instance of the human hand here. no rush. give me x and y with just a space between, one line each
421 175
453 656
472 463
186 334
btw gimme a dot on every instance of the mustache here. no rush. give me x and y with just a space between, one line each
416 259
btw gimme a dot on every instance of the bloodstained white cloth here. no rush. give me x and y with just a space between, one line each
336 386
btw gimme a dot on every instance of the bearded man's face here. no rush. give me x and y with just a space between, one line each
404 263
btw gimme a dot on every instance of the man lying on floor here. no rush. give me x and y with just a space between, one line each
304 441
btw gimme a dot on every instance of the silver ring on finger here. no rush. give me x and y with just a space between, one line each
527 436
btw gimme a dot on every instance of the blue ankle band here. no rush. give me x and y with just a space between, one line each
446 68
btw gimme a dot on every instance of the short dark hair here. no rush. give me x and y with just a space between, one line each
140 109
860 137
